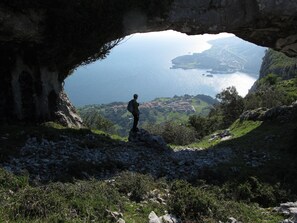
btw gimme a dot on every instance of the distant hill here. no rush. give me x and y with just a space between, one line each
227 55
157 111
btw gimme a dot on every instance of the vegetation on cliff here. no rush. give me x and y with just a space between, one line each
277 84
278 63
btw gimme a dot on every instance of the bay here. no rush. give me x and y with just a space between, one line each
141 64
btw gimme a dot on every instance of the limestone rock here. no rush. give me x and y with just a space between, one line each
66 114
121 221
143 136
289 209
168 219
282 113
233 220
153 218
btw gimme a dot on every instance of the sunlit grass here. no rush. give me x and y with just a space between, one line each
237 130
241 128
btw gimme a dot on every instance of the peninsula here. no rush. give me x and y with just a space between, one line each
227 55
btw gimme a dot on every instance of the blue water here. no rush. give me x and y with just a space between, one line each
141 64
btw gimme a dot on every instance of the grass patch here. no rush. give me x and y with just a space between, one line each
93 200
241 128
246 132
206 203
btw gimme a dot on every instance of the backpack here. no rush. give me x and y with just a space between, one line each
130 107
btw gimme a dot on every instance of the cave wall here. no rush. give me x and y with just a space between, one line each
31 92
42 41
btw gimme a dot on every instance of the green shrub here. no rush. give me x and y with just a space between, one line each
174 133
135 185
252 190
266 96
178 134
191 203
35 203
94 120
12 182
83 201
204 126
270 79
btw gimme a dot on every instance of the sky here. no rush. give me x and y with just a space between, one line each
141 64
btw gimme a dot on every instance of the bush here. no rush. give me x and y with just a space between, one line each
174 133
92 119
82 201
12 182
270 79
267 97
191 203
156 129
205 126
135 185
252 190
36 203
178 134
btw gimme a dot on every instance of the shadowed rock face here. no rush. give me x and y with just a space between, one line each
41 42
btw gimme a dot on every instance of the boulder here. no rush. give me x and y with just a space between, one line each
168 218
233 220
253 115
289 209
144 137
282 113
153 218
121 221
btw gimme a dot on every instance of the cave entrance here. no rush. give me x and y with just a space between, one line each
142 63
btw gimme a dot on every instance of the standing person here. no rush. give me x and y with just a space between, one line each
133 108
135 113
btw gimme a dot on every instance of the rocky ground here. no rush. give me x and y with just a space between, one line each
87 156
50 160
288 209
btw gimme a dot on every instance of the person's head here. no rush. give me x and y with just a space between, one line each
135 96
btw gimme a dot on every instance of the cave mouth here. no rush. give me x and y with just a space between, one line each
48 39
142 63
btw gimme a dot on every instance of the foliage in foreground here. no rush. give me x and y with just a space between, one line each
129 193
206 203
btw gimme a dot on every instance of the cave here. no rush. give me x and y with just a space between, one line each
42 42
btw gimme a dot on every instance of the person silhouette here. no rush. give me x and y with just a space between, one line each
135 112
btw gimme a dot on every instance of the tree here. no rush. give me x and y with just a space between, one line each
94 120
231 105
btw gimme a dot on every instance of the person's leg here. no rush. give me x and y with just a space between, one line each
135 122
